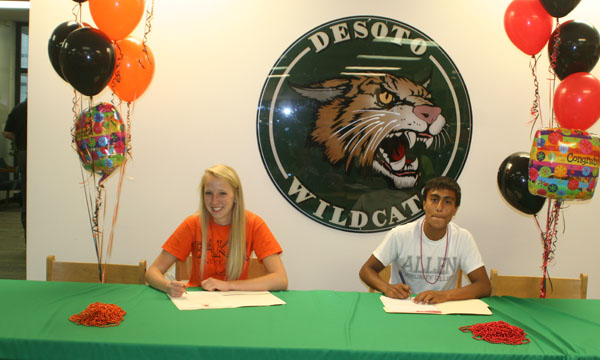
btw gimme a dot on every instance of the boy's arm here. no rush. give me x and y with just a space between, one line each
369 273
480 287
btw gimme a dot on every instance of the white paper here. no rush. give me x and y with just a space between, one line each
471 306
407 306
196 300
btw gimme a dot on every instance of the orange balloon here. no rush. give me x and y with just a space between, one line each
117 18
134 69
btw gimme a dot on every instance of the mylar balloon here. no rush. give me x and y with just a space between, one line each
564 164
578 48
100 139
56 41
559 8
87 60
528 25
512 182
134 71
117 18
576 103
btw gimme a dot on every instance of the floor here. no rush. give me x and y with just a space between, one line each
12 242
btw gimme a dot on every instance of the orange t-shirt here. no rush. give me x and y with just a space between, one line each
187 239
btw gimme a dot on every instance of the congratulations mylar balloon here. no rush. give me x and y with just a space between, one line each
100 139
563 164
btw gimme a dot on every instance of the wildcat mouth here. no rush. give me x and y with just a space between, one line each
397 153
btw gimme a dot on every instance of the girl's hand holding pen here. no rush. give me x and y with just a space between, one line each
176 288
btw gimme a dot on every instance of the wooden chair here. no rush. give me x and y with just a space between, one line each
88 272
386 274
183 269
529 286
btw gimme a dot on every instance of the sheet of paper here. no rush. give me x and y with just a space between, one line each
471 306
196 300
392 305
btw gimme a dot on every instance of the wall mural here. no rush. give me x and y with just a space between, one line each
356 115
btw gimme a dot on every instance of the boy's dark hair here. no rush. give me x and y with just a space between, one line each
445 183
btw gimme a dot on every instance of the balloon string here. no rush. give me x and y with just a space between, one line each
147 29
130 108
76 105
96 231
115 212
77 13
551 70
116 101
117 75
148 26
88 202
535 107
110 243
545 254
92 210
555 45
538 224
92 218
552 86
549 242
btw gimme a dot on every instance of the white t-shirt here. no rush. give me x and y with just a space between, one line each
402 248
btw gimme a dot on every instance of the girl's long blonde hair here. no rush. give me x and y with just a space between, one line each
236 253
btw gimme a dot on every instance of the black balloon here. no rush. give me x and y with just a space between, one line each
559 8
56 41
87 60
80 1
513 175
578 48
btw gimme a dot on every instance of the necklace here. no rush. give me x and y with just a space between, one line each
443 262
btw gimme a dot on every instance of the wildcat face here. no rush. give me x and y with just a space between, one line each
378 121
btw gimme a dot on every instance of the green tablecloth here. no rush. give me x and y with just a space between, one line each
312 325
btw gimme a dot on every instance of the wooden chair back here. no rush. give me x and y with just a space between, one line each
386 274
183 269
529 286
89 272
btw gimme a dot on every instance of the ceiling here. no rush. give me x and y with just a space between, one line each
9 14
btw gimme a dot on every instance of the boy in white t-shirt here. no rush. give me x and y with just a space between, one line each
426 254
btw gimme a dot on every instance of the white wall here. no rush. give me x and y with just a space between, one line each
212 59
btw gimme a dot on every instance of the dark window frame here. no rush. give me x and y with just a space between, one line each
19 69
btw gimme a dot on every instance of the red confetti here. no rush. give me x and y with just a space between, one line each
498 332
99 314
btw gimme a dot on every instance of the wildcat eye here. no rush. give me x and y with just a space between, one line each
385 97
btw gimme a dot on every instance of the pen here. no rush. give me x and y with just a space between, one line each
402 277
403 281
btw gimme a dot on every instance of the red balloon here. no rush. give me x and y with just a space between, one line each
577 101
134 71
117 18
528 25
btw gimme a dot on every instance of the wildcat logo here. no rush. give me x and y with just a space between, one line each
376 120
356 115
